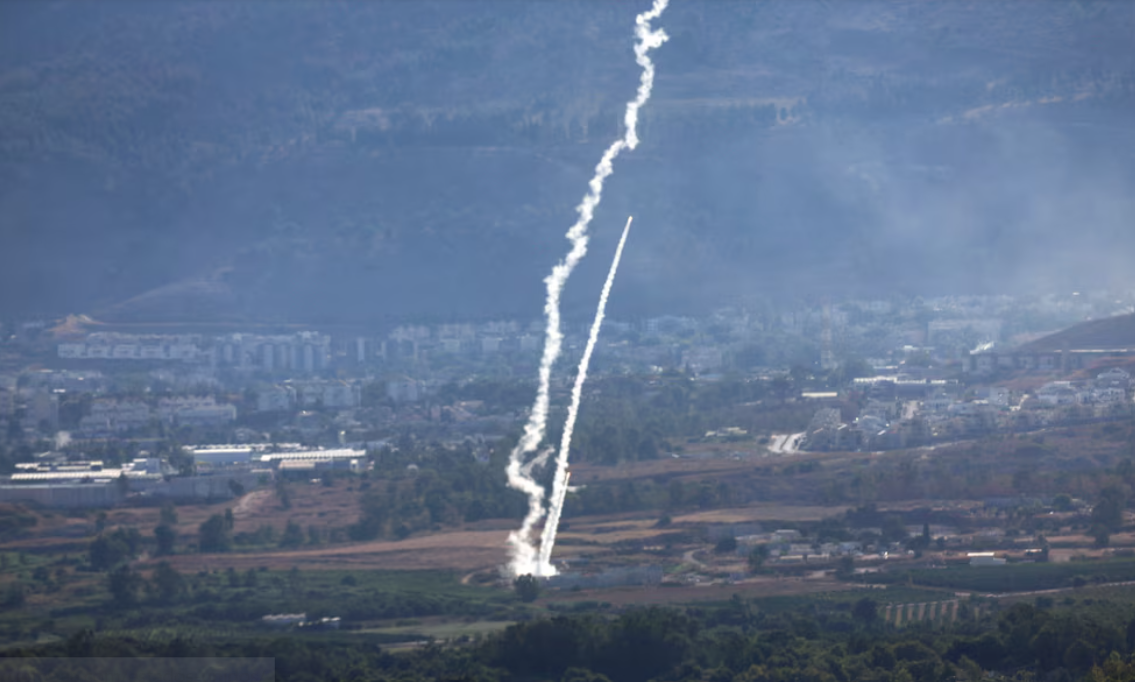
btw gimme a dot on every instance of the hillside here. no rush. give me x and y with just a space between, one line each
1108 333
383 160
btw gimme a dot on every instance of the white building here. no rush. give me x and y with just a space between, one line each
150 347
302 351
1109 395
985 559
311 460
152 352
1114 378
98 351
126 351
870 424
1059 393
222 456
72 350
785 535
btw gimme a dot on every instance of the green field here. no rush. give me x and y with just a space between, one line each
230 601
1013 577
444 630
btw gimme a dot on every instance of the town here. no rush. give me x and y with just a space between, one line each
869 375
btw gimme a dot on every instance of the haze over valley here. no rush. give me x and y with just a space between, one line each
330 163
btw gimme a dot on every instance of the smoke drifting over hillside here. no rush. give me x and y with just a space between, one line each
276 161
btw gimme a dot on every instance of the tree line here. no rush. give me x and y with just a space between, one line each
735 641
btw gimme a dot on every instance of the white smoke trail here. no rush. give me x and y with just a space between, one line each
559 483
519 476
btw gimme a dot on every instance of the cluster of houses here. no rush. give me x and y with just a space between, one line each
305 351
328 394
1111 386
942 414
787 546
32 400
112 346
109 416
302 351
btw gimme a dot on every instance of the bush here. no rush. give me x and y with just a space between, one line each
527 588
725 545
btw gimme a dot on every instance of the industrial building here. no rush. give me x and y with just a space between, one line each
283 458
91 484
344 459
145 468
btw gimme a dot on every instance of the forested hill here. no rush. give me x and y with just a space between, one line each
371 160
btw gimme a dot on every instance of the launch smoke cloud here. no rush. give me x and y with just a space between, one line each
524 559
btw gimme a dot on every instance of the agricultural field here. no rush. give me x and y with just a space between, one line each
443 581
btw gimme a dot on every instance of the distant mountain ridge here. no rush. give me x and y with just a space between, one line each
357 161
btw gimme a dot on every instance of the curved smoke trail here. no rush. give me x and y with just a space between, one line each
518 473
559 485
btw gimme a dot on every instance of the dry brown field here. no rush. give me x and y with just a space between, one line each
473 548
312 505
480 546
456 550
705 460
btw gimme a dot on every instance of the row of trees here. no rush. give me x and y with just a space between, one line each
831 641
424 485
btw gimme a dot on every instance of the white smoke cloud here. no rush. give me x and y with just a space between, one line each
559 484
523 552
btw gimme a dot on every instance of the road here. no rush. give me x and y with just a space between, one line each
689 558
1057 590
